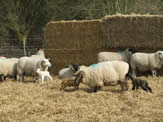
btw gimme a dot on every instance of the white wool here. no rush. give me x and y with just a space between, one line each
105 72
113 56
146 62
43 75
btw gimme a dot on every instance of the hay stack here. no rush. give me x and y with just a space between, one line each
72 42
139 31
79 41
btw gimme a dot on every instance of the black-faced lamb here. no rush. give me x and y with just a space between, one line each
139 83
104 73
146 62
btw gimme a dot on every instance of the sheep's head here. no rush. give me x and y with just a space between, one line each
132 50
45 63
159 54
75 67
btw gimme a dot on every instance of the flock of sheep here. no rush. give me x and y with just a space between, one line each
112 68
25 66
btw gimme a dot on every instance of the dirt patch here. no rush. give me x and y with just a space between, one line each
44 102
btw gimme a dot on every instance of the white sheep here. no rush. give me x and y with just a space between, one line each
146 62
68 72
27 66
112 56
104 73
40 54
2 58
8 68
43 75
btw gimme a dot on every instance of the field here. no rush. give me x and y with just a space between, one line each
45 102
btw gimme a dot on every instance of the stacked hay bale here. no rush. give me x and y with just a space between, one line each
144 32
70 42
79 42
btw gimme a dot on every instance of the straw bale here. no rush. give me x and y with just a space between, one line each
79 41
62 58
73 34
139 31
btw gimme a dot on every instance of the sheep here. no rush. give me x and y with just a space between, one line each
104 73
112 56
2 58
138 82
27 66
69 82
146 62
43 75
8 68
40 54
68 72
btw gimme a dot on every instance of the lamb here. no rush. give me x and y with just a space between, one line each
146 62
27 66
69 82
138 82
8 68
112 56
68 72
43 75
104 73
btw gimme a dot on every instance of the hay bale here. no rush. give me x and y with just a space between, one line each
139 31
79 41
70 42
73 34
62 58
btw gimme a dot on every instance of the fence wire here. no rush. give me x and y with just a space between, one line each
14 47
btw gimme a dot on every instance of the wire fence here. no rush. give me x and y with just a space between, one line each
14 47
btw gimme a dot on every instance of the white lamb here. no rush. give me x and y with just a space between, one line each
43 75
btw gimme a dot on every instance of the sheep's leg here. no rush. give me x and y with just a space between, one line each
122 85
144 88
97 88
50 77
148 88
2 77
134 73
42 79
15 77
133 87
154 73
137 86
21 78
126 84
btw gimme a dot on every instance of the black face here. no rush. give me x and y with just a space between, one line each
75 67
132 50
